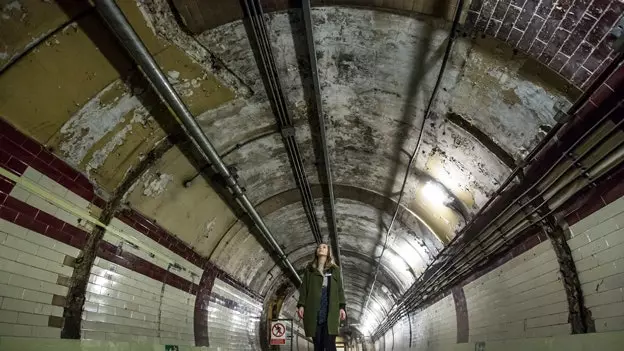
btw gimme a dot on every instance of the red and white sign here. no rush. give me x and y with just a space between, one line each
278 333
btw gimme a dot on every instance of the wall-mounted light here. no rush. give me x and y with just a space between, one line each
435 193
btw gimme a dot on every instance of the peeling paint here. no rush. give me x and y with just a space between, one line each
140 116
100 155
95 120
156 184
173 75
160 19
12 6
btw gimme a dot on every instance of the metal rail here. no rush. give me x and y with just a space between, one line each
119 25
266 63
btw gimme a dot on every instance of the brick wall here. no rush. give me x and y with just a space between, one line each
597 244
150 293
570 36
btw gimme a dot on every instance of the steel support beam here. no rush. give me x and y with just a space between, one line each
118 24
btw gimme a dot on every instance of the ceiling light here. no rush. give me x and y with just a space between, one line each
435 193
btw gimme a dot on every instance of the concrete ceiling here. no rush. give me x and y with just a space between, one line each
377 71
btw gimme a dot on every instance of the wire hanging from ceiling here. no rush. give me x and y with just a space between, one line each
447 54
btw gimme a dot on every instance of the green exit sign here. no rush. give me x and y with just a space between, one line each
172 348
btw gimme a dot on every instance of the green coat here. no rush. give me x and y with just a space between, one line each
310 299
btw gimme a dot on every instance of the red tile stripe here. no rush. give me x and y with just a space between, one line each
17 152
152 230
461 313
603 194
202 300
6 185
29 217
130 261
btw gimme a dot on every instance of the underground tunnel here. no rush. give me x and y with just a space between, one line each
168 169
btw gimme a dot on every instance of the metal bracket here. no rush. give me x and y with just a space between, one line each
288 131
561 108
234 171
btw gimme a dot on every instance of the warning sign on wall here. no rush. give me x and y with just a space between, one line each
278 333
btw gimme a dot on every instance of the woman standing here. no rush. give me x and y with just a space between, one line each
321 300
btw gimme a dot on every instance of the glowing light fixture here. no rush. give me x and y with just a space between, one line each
435 193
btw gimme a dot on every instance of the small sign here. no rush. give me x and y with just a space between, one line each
278 333
480 346
172 348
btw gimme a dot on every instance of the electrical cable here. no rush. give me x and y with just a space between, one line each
447 54
410 298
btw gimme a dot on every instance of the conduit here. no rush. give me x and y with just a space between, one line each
119 25
266 64
592 155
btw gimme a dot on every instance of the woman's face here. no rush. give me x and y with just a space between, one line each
322 250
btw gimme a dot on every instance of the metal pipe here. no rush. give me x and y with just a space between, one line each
273 87
540 146
114 17
307 19
571 187
529 159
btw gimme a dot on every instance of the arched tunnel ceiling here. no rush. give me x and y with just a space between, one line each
377 70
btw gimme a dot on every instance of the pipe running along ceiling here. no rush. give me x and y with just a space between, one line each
369 76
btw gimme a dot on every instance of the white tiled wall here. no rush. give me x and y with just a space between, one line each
230 329
30 266
123 305
435 328
389 340
525 298
151 247
303 344
401 333
288 311
521 299
597 246
55 188
191 272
